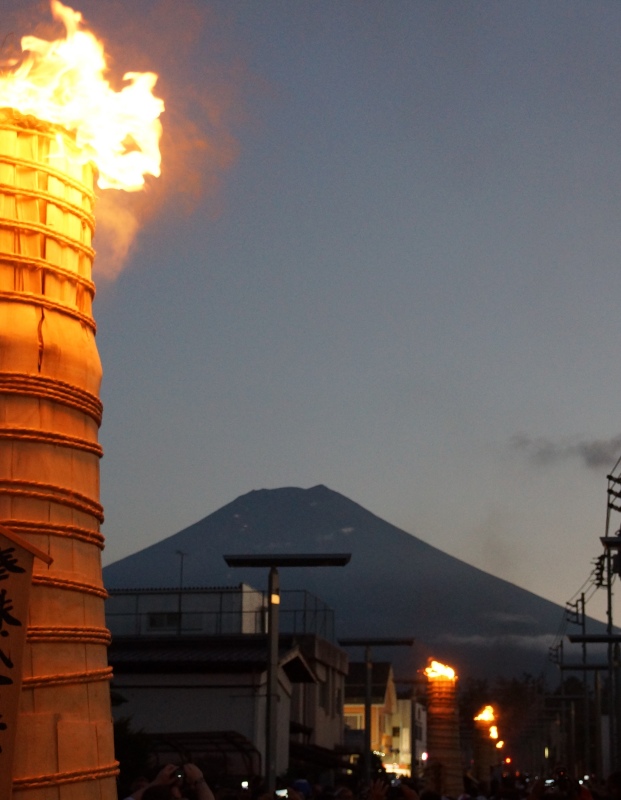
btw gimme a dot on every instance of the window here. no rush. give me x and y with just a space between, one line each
396 732
164 621
324 695
355 722
339 701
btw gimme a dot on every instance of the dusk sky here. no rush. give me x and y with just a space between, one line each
384 255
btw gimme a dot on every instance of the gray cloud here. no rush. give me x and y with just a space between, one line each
593 453
540 642
505 617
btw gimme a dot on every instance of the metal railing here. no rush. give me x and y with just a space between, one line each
303 612
300 613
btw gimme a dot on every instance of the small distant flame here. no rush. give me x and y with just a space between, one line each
493 732
62 82
438 670
500 744
487 715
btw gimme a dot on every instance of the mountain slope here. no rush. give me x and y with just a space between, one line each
395 584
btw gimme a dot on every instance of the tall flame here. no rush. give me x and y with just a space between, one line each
487 715
63 82
438 670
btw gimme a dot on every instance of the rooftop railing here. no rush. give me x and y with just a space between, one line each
164 615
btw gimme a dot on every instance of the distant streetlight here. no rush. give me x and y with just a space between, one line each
368 643
273 562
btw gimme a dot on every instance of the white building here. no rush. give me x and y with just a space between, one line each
191 666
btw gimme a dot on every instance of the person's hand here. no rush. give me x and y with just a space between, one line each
166 775
408 793
537 789
293 795
192 774
378 790
196 779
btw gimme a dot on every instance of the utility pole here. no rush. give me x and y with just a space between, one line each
273 605
611 547
585 684
576 613
597 700
367 644
181 555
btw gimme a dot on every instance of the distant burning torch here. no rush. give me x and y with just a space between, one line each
443 770
485 743
61 125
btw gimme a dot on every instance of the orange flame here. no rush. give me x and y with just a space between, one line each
493 732
438 670
62 82
487 715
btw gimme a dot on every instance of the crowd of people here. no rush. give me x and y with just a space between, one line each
187 782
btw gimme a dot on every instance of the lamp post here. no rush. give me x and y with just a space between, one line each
367 644
273 562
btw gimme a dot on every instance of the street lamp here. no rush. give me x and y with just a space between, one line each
273 562
368 643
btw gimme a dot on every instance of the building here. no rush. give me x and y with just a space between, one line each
191 667
409 735
398 719
383 707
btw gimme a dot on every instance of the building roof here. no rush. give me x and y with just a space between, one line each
185 590
207 654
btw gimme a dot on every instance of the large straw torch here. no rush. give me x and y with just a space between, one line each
61 126
485 741
443 771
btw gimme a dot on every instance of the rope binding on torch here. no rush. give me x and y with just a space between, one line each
56 529
48 437
88 219
39 633
48 492
53 390
60 778
69 585
65 678
38 300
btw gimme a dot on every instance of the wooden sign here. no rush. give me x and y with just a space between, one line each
16 559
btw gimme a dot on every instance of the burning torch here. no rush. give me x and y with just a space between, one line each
61 127
485 743
444 764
